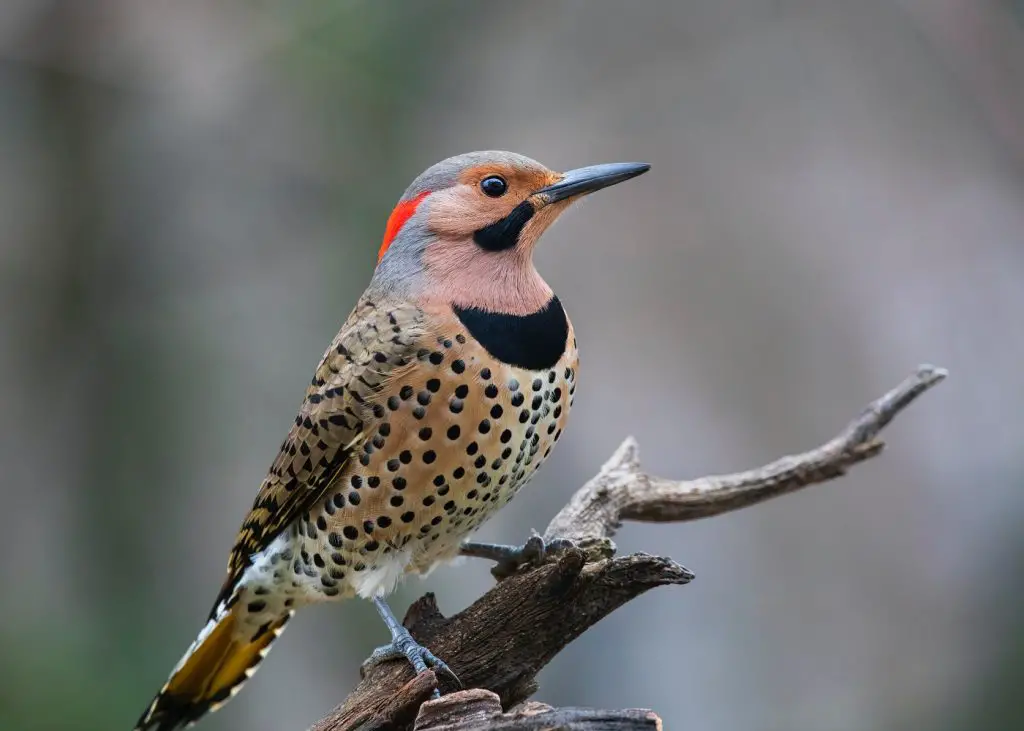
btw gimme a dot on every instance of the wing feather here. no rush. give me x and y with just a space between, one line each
377 341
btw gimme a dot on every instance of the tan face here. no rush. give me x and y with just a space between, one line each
463 209
465 229
464 272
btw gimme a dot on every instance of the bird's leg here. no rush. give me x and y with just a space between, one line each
509 558
403 645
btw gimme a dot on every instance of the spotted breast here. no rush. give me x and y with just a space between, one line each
456 435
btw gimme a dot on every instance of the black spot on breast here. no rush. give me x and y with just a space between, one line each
535 341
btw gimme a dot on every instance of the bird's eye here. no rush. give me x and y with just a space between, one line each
494 186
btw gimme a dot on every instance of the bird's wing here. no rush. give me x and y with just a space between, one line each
377 342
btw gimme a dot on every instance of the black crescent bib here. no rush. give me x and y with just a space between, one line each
534 342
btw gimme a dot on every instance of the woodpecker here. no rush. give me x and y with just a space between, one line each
446 388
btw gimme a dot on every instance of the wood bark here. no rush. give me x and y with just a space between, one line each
497 645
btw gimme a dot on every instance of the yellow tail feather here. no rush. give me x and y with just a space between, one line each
210 673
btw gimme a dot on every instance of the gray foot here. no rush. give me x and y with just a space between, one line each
510 558
402 645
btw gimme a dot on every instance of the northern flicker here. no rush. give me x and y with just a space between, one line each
446 388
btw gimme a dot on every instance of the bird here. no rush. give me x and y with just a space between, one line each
445 389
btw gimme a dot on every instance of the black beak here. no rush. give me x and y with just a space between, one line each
588 179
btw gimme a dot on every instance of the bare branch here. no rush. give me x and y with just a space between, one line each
480 710
623 491
503 639
499 644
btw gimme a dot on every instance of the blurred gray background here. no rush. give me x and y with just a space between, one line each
192 195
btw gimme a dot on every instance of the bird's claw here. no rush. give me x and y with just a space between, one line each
509 559
404 646
536 550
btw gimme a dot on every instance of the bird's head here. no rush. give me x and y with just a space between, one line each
464 231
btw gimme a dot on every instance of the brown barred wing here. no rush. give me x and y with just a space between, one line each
377 342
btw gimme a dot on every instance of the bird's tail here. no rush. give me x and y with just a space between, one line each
222 658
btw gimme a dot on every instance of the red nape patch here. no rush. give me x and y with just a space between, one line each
402 213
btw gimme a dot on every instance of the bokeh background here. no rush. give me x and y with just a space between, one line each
192 194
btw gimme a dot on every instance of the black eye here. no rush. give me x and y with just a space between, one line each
494 186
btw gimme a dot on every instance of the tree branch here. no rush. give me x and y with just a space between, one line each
622 491
501 641
480 710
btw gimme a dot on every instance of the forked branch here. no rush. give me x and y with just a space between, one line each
623 491
502 640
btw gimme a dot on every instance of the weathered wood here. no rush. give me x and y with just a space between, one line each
623 491
480 710
498 645
501 642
